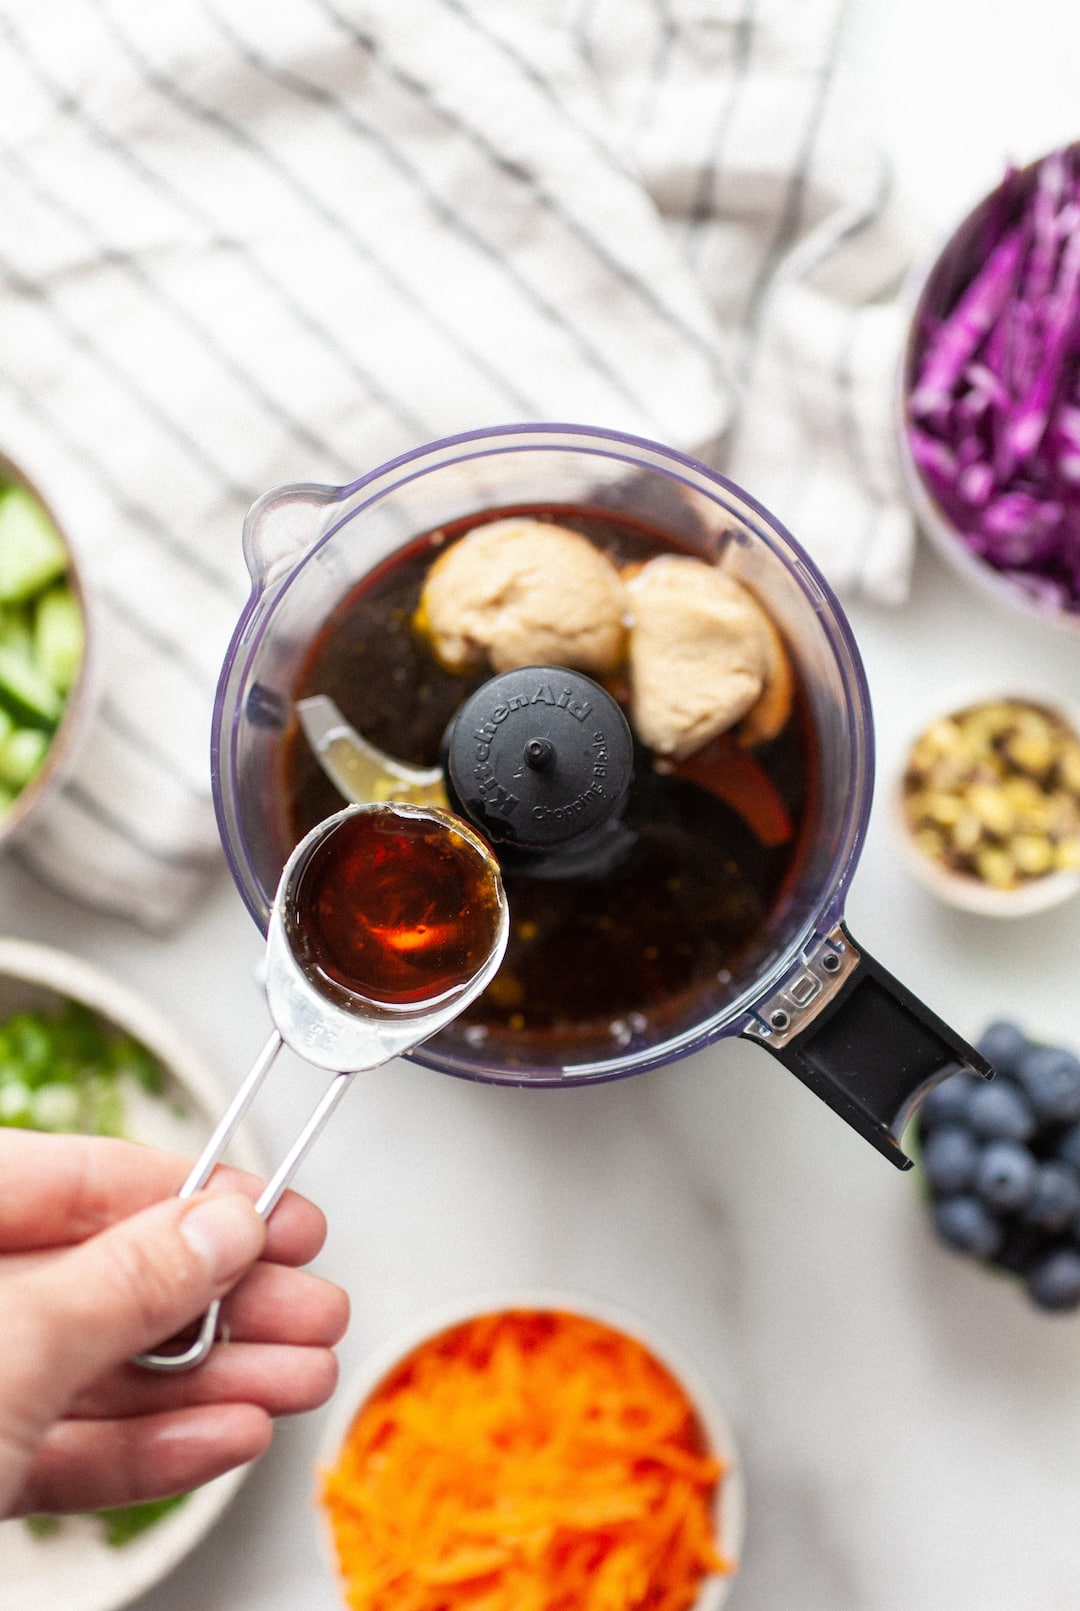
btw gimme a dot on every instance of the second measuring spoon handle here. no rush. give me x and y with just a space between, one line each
227 1125
163 1359
288 1166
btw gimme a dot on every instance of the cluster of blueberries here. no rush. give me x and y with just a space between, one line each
1002 1162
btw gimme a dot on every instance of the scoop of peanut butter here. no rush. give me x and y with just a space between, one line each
701 651
521 592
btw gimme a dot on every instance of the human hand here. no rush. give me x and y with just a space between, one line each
99 1260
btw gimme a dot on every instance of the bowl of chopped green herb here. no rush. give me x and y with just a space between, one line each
45 670
80 1051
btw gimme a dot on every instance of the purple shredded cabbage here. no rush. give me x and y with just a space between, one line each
994 411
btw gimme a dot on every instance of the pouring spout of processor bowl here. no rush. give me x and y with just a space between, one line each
283 526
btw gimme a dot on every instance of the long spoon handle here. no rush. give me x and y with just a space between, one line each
170 1359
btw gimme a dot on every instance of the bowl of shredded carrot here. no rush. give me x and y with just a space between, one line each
531 1458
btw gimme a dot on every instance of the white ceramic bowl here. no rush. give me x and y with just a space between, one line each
730 1510
932 291
970 894
80 701
74 1570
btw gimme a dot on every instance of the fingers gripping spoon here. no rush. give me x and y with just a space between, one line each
388 921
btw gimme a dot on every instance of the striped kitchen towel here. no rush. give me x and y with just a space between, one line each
243 244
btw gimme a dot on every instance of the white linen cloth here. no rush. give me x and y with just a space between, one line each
246 243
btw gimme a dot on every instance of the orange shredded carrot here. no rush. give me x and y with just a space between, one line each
529 1460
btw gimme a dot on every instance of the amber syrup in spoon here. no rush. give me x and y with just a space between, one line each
396 909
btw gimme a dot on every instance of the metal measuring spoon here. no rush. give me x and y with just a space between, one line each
335 1026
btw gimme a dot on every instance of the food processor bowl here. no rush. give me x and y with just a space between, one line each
308 546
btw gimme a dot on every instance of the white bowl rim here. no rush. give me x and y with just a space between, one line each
731 1504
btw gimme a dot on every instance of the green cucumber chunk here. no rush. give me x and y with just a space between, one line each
21 754
17 629
26 693
126 1522
32 552
119 1525
59 636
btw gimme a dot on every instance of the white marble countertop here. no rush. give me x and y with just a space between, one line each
910 1426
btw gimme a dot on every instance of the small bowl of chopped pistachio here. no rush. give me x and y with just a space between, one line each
988 804
45 671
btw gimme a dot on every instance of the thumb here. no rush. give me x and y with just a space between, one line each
125 1290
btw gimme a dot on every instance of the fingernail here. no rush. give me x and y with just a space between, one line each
226 1233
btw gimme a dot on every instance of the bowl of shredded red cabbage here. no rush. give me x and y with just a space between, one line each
990 392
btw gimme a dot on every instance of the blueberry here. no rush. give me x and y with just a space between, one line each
1055 1200
1050 1078
949 1158
1054 1280
1022 1244
968 1225
1002 1043
1068 1146
1001 1111
1005 1175
948 1102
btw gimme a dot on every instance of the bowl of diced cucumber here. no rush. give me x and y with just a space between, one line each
43 660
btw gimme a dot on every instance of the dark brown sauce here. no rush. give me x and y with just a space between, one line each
399 909
593 964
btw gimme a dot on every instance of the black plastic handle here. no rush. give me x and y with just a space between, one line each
871 1050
